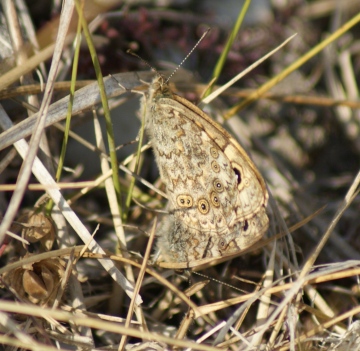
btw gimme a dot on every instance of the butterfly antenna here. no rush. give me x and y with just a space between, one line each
218 281
187 56
129 51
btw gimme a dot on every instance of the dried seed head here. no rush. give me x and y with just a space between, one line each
36 282
38 227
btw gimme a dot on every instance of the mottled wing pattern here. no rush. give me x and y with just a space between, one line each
217 198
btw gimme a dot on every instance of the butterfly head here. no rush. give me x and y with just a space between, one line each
159 88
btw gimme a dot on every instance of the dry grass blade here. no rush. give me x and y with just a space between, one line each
138 285
85 98
350 196
226 86
97 324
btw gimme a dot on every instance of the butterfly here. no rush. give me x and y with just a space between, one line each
217 196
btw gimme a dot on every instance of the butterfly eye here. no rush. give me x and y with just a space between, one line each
215 199
215 166
203 206
184 201
214 152
218 185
